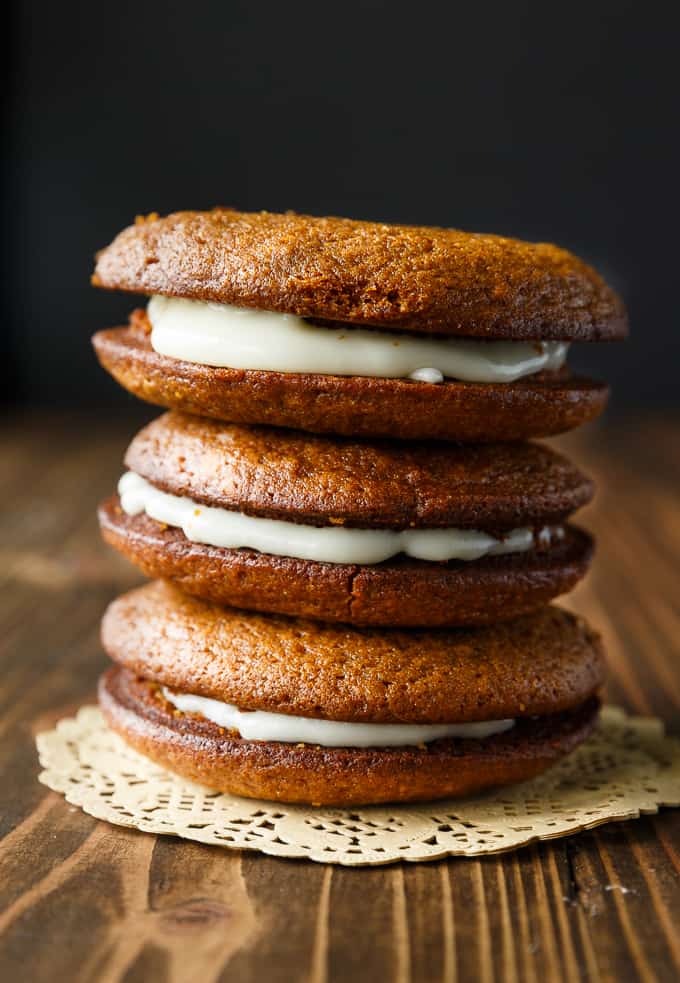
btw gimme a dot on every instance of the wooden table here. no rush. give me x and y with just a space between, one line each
83 900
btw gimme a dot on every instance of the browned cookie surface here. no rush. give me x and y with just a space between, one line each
537 406
540 663
398 592
318 480
200 750
401 277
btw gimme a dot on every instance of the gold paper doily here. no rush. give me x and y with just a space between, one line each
627 768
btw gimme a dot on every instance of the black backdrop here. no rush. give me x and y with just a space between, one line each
541 120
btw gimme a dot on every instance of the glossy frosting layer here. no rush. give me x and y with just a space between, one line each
246 338
329 544
258 725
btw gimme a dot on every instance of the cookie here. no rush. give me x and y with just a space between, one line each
276 474
356 328
369 533
538 406
203 752
223 697
400 592
539 664
418 279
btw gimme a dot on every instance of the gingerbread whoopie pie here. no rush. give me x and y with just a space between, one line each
380 533
356 328
292 710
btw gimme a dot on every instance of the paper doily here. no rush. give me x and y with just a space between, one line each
627 768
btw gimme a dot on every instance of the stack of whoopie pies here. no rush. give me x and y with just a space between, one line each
354 546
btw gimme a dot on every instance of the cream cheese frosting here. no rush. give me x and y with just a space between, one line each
328 544
232 337
259 725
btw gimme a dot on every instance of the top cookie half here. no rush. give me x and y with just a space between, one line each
412 278
355 327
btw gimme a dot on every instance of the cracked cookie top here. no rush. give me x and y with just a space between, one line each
414 278
319 480
537 664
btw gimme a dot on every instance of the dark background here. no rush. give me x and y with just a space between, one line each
542 120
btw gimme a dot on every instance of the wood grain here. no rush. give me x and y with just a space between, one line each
84 901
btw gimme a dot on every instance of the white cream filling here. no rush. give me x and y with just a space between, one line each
238 338
328 544
258 725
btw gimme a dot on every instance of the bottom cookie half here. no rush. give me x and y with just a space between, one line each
202 751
